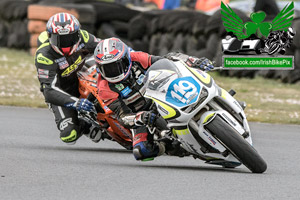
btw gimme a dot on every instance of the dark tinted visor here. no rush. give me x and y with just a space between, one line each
62 41
111 70
114 69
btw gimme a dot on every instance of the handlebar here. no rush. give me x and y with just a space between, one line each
91 116
215 68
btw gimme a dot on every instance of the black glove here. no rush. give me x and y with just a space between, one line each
145 118
202 63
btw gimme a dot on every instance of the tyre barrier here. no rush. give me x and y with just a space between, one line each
156 32
3 33
13 24
39 14
34 40
43 13
36 26
13 10
296 27
32 50
106 12
85 13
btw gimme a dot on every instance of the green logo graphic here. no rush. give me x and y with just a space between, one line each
233 23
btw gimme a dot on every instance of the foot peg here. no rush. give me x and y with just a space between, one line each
161 147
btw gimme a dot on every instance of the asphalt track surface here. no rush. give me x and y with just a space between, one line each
35 164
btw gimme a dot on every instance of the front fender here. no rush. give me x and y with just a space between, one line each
208 116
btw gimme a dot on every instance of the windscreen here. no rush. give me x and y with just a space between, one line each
160 73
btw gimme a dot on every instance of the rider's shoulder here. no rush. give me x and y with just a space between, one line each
44 48
88 38
43 38
44 54
85 36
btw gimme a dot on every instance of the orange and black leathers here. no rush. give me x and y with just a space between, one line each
57 73
126 97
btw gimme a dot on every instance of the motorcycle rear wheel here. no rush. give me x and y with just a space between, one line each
237 145
273 48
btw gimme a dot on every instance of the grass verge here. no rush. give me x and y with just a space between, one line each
19 85
268 100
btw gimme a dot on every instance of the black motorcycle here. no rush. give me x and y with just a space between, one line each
278 41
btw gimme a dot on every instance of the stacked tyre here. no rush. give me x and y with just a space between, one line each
112 20
13 24
160 32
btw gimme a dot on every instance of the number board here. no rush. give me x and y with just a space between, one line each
183 91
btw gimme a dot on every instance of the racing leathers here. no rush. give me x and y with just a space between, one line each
59 83
125 99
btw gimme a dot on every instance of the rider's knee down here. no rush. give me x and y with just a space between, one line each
70 137
69 132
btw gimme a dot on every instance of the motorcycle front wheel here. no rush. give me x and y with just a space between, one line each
237 145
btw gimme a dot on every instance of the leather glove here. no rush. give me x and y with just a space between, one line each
202 63
81 105
145 118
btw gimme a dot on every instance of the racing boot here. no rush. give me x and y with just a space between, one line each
91 131
95 134
145 149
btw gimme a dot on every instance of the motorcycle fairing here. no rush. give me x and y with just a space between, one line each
179 70
166 111
203 77
183 92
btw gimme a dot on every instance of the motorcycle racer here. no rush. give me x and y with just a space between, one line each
120 86
61 53
278 41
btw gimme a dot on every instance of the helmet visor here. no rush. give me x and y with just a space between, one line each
63 41
115 69
112 70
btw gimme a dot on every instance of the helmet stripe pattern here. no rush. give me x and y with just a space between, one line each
113 59
62 17
58 27
62 20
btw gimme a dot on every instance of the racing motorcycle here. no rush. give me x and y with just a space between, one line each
203 120
278 41
103 118
196 117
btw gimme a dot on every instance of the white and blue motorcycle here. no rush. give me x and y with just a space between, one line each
203 120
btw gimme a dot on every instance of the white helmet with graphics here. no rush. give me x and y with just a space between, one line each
113 59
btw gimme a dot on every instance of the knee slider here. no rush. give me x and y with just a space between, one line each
71 136
69 132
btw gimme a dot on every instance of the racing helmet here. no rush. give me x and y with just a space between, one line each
291 32
113 59
63 32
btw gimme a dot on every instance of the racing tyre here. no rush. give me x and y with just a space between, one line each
282 51
273 48
237 145
258 51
